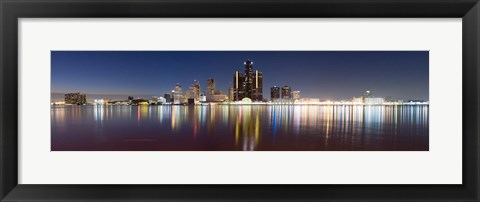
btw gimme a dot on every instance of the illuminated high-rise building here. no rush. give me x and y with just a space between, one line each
249 79
238 86
274 93
196 90
248 84
257 88
210 89
190 94
286 92
230 94
219 96
178 95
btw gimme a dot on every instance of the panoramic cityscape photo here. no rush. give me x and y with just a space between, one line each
239 100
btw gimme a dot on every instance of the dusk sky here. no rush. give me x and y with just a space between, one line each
317 74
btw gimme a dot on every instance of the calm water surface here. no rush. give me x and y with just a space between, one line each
249 128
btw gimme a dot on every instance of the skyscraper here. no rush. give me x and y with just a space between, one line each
196 89
210 89
249 79
230 94
190 94
274 93
257 88
286 92
248 84
168 98
238 86
178 95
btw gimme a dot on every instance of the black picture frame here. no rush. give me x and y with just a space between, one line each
12 10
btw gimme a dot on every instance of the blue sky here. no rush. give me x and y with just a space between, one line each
320 74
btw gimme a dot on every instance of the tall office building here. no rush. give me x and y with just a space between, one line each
248 84
274 93
257 90
286 92
210 89
168 98
178 95
190 94
196 89
238 86
230 94
248 79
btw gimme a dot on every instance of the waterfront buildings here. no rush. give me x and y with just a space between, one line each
99 102
247 89
368 94
368 98
308 101
196 90
210 89
282 101
75 99
213 95
238 86
178 94
230 94
295 95
374 101
203 98
274 93
248 84
257 88
219 96
286 92
193 93
168 98
154 100
192 96
357 100
161 100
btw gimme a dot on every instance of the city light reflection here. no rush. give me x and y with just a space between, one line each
245 127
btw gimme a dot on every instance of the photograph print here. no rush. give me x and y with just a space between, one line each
239 101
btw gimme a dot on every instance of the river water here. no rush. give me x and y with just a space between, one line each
239 128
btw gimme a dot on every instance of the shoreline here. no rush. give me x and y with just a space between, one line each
257 104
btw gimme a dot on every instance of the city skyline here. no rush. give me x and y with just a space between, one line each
316 74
